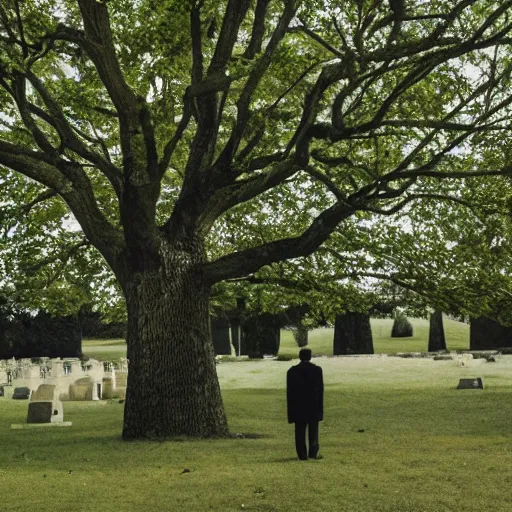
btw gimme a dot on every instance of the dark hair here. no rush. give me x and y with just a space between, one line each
305 354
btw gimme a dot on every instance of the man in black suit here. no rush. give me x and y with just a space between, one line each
305 399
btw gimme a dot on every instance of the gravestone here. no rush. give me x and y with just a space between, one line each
39 412
2 392
44 392
81 390
21 393
44 407
471 384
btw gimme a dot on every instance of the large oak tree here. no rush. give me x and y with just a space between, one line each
161 124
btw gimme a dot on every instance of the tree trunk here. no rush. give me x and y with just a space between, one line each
172 381
486 334
220 335
300 334
352 334
436 339
235 334
260 335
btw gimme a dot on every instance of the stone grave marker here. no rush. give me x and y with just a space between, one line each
44 392
44 407
471 383
21 393
39 412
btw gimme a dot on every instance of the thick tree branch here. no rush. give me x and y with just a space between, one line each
246 262
21 29
71 183
35 157
197 47
178 134
70 140
34 165
244 190
321 177
441 125
100 48
255 76
283 282
261 162
258 30
44 196
412 197
202 181
315 37
20 97
233 17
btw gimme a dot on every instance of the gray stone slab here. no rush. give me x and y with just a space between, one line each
39 412
443 357
19 426
45 392
21 393
475 383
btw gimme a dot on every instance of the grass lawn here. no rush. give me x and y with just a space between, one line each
104 350
321 340
426 447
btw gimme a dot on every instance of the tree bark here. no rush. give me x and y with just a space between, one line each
436 339
220 327
486 334
261 335
173 387
352 334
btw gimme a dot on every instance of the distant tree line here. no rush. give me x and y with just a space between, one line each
23 335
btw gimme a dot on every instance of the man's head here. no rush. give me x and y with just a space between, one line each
305 354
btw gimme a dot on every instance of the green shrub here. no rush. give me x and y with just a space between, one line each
402 328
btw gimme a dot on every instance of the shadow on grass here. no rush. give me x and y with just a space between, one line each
187 439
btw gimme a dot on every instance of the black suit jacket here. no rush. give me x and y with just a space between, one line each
305 393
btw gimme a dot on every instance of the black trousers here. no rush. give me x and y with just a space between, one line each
300 439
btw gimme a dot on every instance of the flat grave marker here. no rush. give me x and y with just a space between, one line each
471 383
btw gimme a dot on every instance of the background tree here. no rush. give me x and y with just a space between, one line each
352 334
436 339
161 125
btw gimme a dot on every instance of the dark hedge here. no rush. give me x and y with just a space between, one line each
402 328
43 335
